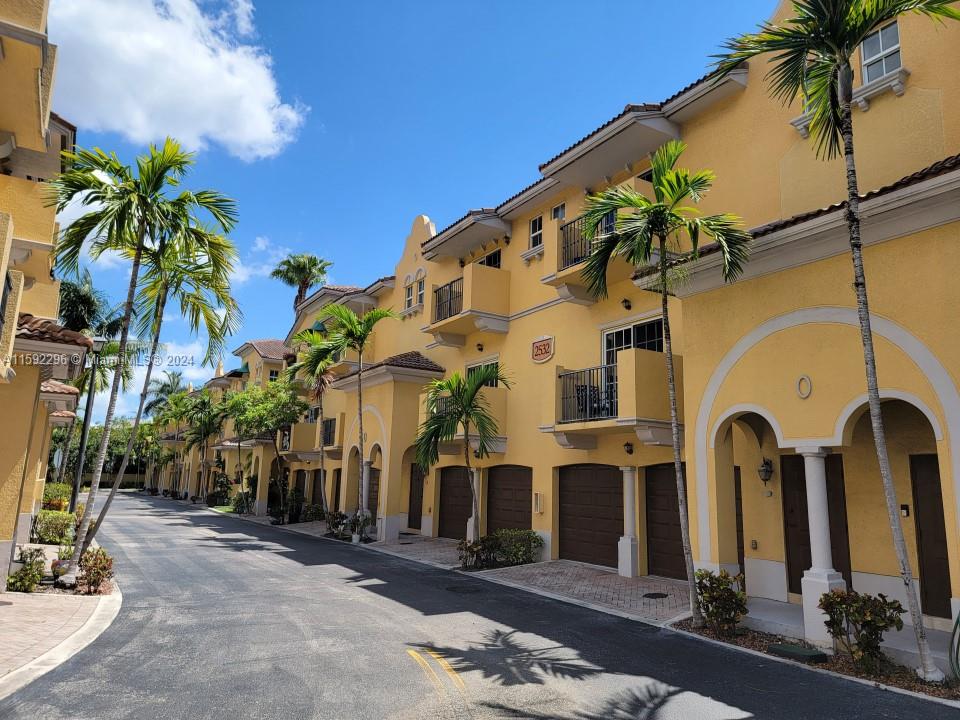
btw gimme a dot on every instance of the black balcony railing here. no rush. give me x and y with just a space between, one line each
443 404
575 248
589 394
329 431
7 289
448 300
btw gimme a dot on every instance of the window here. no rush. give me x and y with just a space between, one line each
408 296
474 368
559 212
643 336
880 53
646 176
536 231
421 285
274 375
312 415
491 260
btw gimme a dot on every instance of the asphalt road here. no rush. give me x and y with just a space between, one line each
222 618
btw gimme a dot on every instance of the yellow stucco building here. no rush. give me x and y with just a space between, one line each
36 354
781 471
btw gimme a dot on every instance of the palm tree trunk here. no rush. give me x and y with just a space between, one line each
675 437
360 507
475 535
62 470
161 303
283 492
928 669
323 467
80 541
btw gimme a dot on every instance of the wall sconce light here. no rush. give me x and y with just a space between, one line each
628 448
626 304
538 503
479 347
765 471
462 263
506 239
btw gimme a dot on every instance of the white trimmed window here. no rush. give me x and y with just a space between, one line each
421 289
559 212
474 368
274 375
880 53
536 231
408 296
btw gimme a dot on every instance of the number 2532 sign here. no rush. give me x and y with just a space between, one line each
541 349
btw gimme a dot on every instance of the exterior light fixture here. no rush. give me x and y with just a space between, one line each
628 448
506 239
479 347
626 304
462 263
765 471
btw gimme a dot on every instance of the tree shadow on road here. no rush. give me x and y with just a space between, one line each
643 703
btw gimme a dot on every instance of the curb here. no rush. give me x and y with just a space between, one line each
100 619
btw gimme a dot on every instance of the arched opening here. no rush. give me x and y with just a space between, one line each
274 488
373 489
411 490
351 488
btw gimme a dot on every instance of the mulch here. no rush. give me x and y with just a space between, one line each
892 674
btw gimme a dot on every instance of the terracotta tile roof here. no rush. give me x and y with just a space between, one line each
63 414
58 388
941 167
517 194
412 360
691 86
340 288
469 213
43 330
271 349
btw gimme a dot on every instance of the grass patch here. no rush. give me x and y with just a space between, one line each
227 509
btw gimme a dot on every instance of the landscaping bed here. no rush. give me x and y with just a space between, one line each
892 674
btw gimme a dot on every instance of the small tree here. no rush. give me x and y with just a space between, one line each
204 418
457 403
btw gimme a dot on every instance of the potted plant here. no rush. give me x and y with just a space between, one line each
358 523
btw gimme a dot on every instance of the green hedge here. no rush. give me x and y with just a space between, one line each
52 527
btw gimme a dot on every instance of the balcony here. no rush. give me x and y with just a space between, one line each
628 396
574 245
496 398
331 435
299 439
479 301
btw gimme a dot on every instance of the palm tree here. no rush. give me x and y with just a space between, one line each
82 305
648 228
205 419
302 271
162 388
457 403
126 211
348 331
811 55
315 362
175 413
193 267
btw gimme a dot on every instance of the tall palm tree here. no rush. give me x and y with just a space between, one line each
315 361
83 306
175 413
457 403
348 331
126 210
162 388
811 59
205 419
302 271
667 228
193 267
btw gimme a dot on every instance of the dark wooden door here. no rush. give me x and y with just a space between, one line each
931 536
664 540
591 513
509 498
738 500
301 481
336 490
456 502
317 489
415 505
373 496
797 522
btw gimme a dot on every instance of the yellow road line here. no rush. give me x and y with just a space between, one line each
427 670
448 669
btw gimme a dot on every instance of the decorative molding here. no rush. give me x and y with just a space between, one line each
531 253
895 82
575 441
410 311
576 294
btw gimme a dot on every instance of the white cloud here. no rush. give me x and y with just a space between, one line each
260 261
151 68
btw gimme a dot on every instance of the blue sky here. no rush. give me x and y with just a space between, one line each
334 124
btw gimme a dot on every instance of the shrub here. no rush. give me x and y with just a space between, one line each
359 522
96 569
295 504
518 547
721 599
480 555
59 566
56 496
78 515
242 502
313 512
858 621
336 522
52 527
29 576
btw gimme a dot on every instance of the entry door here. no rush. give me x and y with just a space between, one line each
301 481
456 502
415 506
931 536
738 499
797 522
373 498
316 492
664 539
336 490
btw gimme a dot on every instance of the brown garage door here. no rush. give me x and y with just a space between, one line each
509 498
373 498
456 503
591 513
664 542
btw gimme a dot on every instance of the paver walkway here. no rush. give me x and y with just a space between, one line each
652 599
438 551
33 623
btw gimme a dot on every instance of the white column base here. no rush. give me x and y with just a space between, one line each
24 523
426 525
471 523
391 527
628 557
813 585
259 507
547 549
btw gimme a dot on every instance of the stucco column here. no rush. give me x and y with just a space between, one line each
821 577
628 552
475 481
365 485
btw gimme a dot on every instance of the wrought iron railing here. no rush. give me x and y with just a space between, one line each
443 404
589 394
7 289
329 431
448 300
575 247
